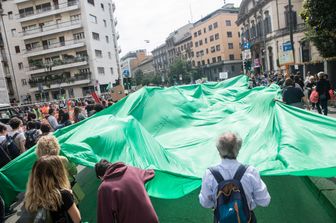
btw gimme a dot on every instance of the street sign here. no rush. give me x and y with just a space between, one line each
286 54
287 46
223 75
246 45
247 54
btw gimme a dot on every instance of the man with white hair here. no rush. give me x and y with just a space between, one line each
322 88
252 188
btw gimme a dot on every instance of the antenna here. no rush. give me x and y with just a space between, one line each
191 15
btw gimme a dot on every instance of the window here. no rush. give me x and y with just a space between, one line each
20 65
91 2
207 51
229 34
195 34
214 60
105 24
230 45
213 49
239 34
43 7
99 53
210 27
109 55
95 36
219 58
228 23
26 12
201 42
102 6
75 17
107 39
208 61
211 38
13 32
78 36
199 32
93 19
24 82
217 36
231 57
101 70
17 49
215 25
10 15
218 48
111 69
292 18
204 30
196 44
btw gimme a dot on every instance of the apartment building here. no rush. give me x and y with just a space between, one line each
60 48
216 43
184 48
131 60
160 59
5 78
265 32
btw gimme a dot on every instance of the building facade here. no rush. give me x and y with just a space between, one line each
265 35
146 66
160 59
216 43
184 48
60 48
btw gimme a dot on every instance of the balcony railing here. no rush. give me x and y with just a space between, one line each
58 79
47 9
51 27
55 45
39 65
285 31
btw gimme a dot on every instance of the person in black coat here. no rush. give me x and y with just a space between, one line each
322 88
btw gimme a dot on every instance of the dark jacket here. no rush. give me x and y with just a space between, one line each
122 196
323 87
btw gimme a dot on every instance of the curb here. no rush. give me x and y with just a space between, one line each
325 192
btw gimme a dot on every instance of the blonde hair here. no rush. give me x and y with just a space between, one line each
47 145
46 181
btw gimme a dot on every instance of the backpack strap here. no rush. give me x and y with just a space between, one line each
215 172
15 135
240 172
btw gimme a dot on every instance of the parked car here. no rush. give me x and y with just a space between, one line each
7 112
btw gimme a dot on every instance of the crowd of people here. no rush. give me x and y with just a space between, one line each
313 92
230 188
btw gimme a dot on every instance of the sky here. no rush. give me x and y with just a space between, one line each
153 20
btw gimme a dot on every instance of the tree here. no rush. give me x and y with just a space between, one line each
182 69
320 18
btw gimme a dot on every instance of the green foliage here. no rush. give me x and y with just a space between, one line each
146 79
320 18
181 68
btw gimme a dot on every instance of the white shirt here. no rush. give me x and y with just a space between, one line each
255 189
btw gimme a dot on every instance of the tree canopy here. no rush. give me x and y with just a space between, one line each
320 18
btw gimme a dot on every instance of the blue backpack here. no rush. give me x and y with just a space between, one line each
231 205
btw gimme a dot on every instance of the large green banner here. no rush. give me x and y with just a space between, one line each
174 131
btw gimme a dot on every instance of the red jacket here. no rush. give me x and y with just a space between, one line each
123 196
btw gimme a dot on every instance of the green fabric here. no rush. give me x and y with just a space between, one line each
174 131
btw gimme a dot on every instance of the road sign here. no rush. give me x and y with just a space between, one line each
247 54
287 46
246 45
223 75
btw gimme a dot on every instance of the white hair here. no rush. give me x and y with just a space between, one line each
228 145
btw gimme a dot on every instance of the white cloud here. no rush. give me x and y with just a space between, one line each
140 20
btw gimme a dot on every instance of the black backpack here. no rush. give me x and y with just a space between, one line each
31 138
8 150
231 202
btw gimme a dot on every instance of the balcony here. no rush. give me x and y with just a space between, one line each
59 81
285 31
48 11
20 1
52 29
56 47
38 68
